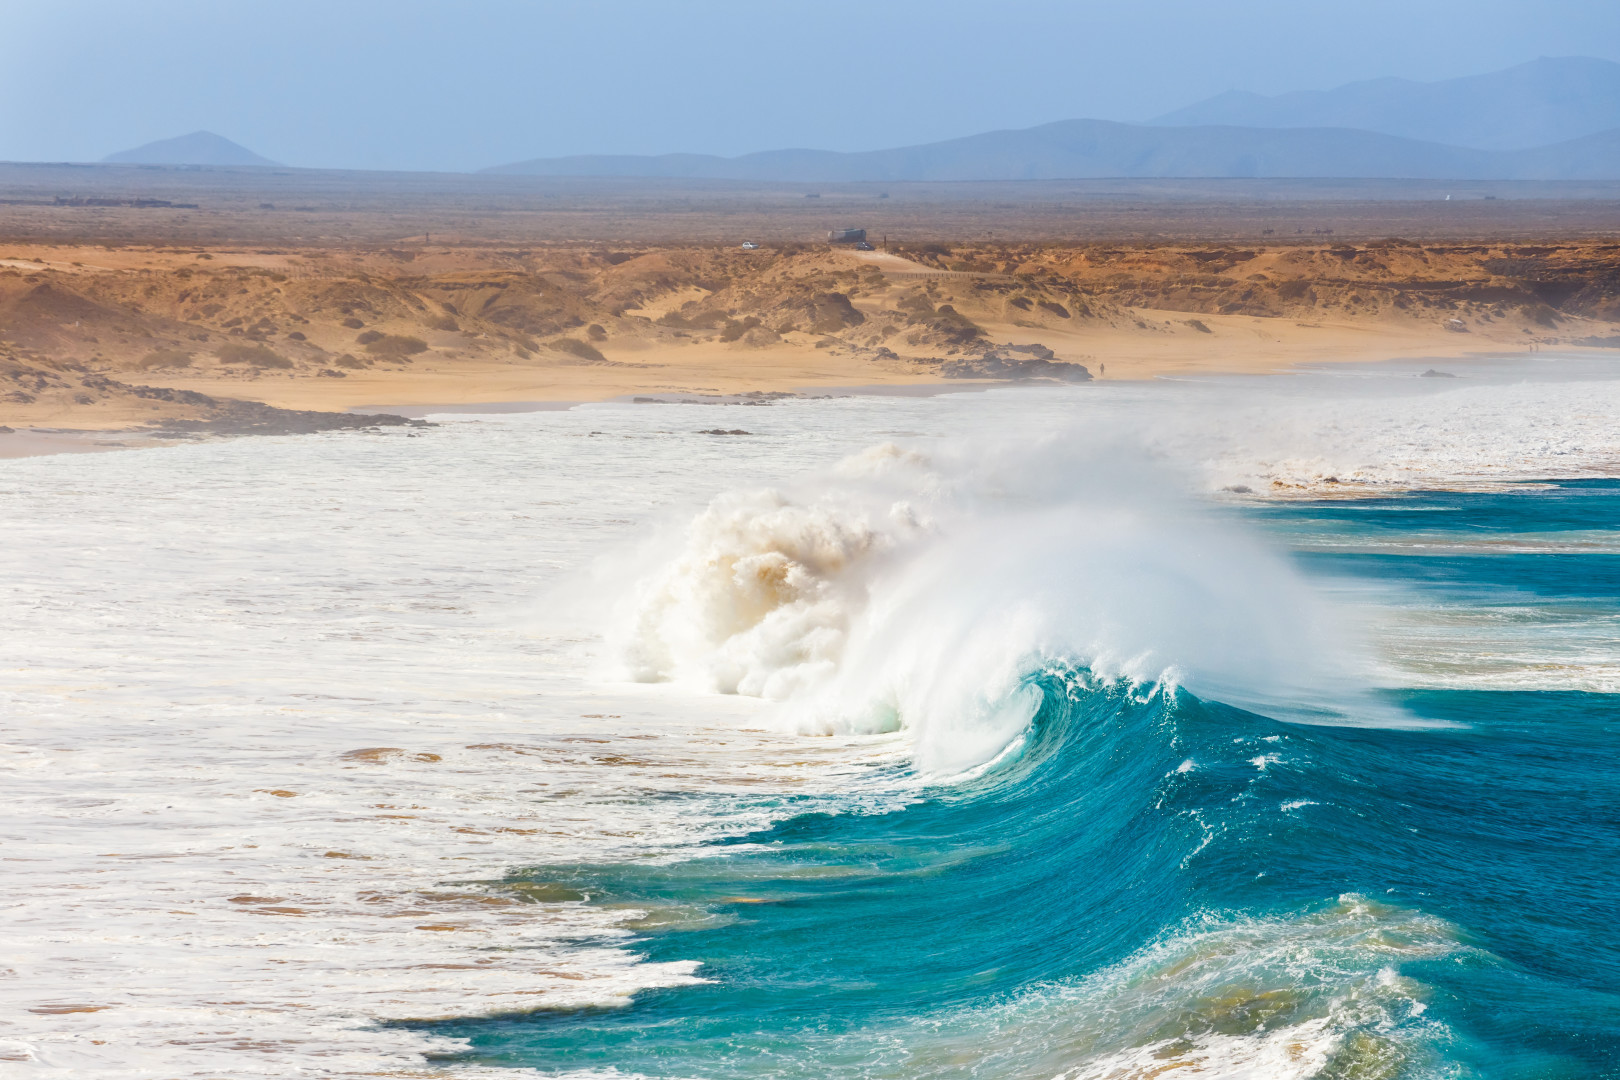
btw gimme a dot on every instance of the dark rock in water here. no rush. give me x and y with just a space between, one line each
253 418
226 416
723 431
1433 374
257 418
7 430
1018 363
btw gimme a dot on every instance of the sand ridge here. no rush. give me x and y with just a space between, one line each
107 337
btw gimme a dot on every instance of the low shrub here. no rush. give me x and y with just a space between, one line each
703 320
257 355
582 349
165 358
395 345
735 330
1541 315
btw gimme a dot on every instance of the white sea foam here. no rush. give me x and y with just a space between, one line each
1316 435
277 713
1285 998
1225 995
278 721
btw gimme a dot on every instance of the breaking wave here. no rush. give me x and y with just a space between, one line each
916 593
1108 850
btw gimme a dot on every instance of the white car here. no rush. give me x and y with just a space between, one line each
749 245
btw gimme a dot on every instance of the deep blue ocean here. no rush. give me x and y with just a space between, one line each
1155 884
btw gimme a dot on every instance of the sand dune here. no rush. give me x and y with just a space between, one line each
122 338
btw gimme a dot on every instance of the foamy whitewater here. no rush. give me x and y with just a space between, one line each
1223 728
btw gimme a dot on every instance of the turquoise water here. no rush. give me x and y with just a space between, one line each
1150 883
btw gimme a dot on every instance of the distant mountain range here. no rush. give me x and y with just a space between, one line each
1551 119
1085 149
1536 104
198 148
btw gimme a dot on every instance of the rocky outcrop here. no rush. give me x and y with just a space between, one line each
1017 363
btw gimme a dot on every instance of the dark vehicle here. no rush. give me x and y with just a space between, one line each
864 246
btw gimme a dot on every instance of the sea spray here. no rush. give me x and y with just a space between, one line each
918 591
759 601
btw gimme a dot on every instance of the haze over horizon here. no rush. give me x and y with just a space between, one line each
417 85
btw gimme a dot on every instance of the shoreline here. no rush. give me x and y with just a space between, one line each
40 441
45 441
496 408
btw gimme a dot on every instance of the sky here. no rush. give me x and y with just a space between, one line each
457 86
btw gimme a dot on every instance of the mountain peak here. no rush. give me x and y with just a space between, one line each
198 148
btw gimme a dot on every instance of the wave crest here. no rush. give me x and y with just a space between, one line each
901 592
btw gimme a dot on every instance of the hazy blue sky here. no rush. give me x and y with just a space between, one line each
422 85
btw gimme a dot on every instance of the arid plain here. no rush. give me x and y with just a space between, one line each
186 301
